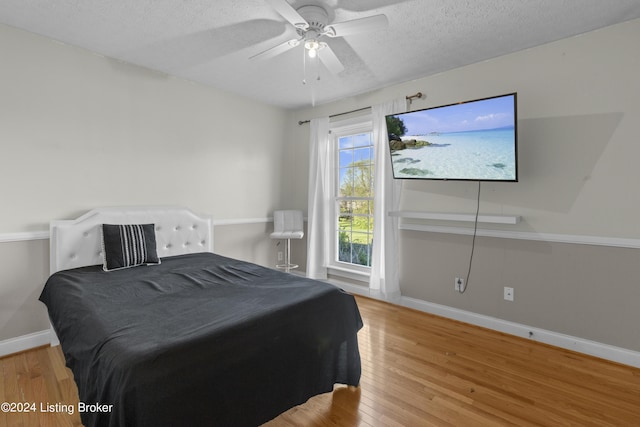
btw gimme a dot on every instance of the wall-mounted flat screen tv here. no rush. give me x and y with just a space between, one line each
473 140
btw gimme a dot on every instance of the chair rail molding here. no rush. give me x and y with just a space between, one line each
44 235
23 236
575 239
446 216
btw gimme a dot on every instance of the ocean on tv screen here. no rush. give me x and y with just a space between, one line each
473 155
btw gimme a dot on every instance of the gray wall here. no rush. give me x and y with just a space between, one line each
573 256
585 291
24 267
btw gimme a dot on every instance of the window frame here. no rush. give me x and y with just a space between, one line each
338 130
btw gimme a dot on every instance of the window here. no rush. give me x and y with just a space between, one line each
353 197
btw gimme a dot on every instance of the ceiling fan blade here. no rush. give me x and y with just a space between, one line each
330 60
276 50
288 13
355 26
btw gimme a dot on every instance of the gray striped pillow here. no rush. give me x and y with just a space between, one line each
128 245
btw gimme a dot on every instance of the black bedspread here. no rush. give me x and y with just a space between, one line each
201 340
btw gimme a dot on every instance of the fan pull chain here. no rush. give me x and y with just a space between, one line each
304 66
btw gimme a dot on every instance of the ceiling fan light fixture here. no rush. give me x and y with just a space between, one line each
312 44
312 47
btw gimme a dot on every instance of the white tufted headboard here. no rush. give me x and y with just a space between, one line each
78 242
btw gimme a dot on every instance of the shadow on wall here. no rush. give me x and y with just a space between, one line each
213 43
556 156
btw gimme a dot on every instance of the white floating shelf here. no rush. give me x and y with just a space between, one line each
443 216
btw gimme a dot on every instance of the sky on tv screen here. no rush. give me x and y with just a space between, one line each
476 115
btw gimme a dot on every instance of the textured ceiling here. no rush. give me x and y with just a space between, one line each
211 41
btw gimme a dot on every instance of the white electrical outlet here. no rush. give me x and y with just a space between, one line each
459 284
508 293
280 255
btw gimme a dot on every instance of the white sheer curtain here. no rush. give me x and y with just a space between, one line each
384 279
318 210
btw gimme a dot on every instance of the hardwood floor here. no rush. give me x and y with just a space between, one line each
37 376
417 370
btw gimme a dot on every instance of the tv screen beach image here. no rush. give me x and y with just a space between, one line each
475 140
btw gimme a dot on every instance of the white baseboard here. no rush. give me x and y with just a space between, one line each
592 348
581 345
25 342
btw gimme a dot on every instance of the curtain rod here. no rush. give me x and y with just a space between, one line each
408 97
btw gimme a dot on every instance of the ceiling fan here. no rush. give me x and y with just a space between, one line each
312 25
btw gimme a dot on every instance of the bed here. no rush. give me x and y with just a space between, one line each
195 338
